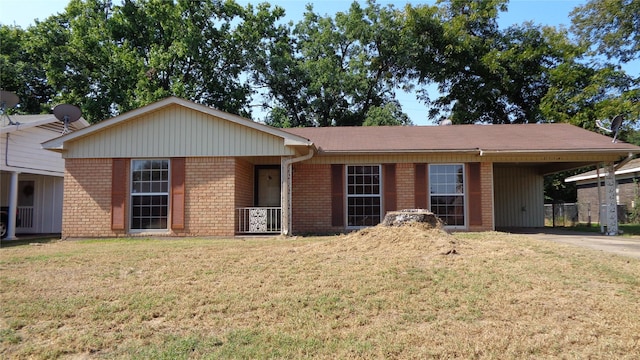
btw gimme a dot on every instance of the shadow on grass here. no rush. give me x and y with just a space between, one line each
28 240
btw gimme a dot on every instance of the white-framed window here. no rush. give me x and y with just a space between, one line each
149 194
446 193
364 195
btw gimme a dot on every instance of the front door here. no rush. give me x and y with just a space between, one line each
268 186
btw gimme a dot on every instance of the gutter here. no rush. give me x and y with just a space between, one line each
285 197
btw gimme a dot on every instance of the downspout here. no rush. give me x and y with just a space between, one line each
285 195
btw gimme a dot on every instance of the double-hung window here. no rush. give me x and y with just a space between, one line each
149 194
446 193
364 198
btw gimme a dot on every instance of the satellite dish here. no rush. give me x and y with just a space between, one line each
8 100
445 122
614 128
67 113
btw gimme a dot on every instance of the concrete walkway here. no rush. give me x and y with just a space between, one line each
627 246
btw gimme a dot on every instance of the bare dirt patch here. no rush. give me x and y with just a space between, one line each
376 293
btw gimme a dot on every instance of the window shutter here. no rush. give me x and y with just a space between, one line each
177 193
474 196
420 186
119 182
337 195
390 192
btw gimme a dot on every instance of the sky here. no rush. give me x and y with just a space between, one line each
545 12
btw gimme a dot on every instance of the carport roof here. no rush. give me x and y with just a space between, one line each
508 138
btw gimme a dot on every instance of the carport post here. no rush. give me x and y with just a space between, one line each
612 204
13 206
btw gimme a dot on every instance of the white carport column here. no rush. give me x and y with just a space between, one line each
13 206
611 218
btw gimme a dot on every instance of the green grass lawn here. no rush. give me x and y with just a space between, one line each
378 293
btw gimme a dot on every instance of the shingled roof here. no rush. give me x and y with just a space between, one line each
507 138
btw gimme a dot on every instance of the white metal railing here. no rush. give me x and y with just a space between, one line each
259 220
25 216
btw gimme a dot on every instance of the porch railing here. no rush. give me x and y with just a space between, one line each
25 217
259 220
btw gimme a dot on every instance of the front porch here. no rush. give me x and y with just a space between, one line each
260 210
259 220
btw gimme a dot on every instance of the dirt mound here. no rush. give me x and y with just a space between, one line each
410 239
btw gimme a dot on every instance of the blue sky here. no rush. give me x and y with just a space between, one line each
545 12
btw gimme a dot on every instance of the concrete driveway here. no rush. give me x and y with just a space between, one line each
627 246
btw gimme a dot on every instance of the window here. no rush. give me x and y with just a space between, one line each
149 194
446 193
363 195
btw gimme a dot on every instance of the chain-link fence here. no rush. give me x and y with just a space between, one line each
571 214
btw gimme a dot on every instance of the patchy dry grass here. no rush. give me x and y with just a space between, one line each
377 293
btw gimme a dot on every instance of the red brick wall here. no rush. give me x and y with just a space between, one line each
244 185
486 186
210 196
86 206
311 203
405 178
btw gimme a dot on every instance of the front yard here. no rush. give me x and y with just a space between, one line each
379 293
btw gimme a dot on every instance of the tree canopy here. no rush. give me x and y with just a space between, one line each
328 70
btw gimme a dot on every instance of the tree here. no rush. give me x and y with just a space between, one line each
332 71
22 71
484 74
110 59
612 27
388 115
580 94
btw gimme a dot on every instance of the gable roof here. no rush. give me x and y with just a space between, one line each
630 167
508 138
60 143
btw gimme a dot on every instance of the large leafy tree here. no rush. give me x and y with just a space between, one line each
21 71
334 71
483 73
109 59
611 27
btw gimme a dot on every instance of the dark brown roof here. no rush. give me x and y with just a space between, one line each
492 138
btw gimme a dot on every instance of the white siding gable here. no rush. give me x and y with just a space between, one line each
177 131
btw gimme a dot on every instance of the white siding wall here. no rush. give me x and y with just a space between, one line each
25 154
47 202
519 197
48 219
178 131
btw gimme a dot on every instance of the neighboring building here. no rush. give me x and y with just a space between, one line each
627 191
38 173
182 169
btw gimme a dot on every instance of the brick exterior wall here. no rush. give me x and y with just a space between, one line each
311 203
486 186
86 205
215 186
405 179
210 196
